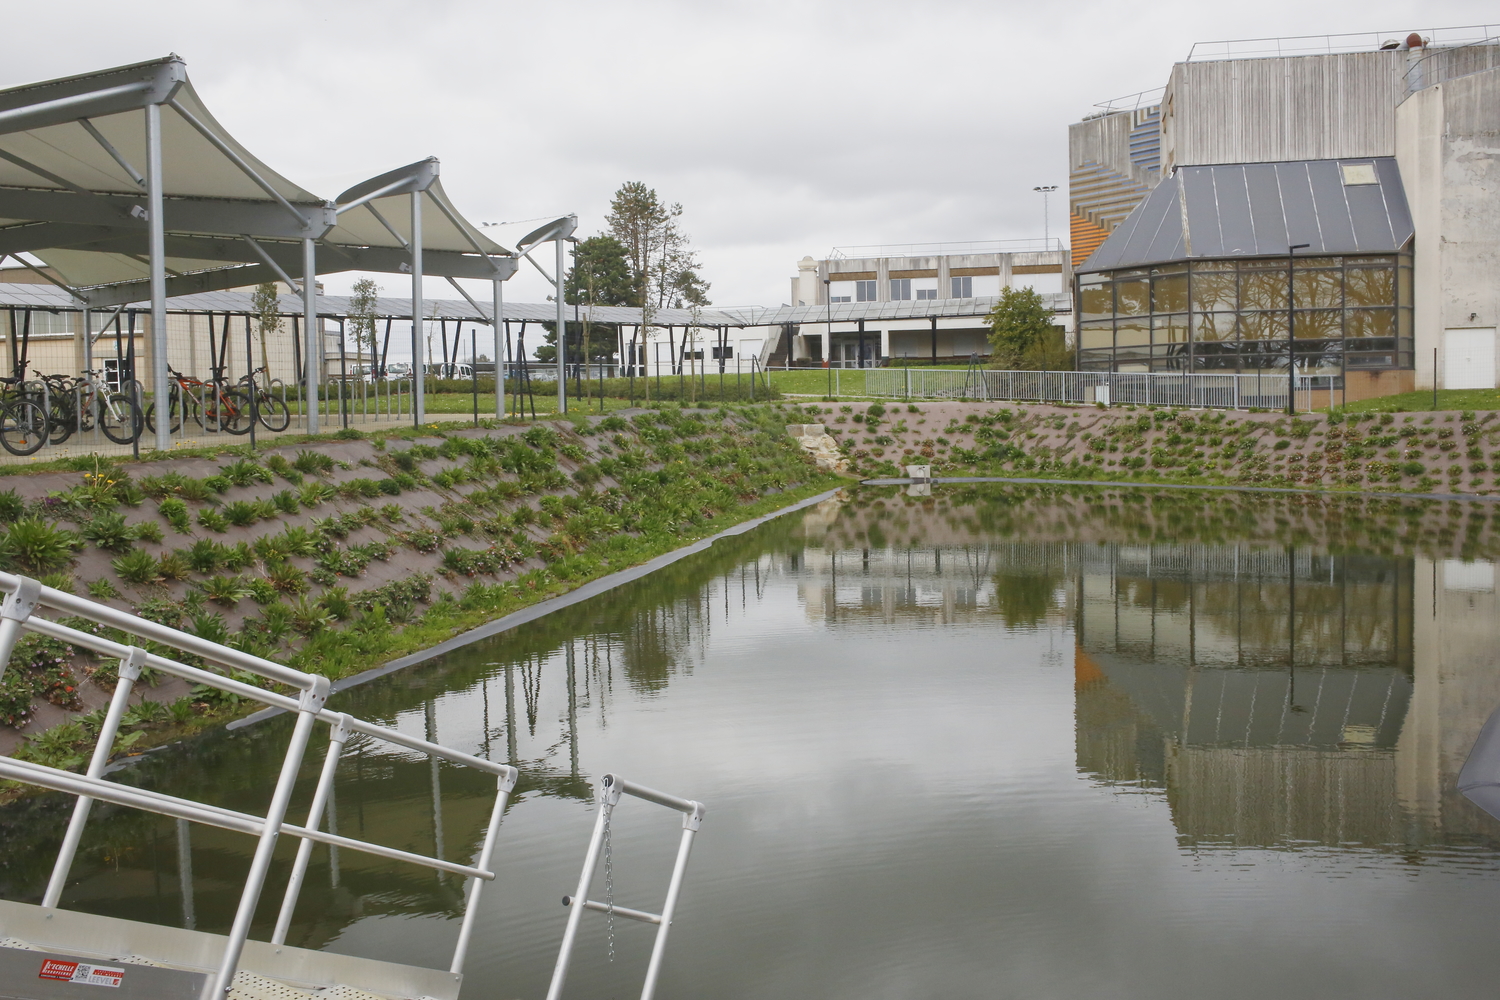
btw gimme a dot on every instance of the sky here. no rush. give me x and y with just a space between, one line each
784 129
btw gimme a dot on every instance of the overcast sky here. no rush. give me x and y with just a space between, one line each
784 129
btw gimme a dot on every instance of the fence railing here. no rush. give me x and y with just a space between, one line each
24 598
1191 390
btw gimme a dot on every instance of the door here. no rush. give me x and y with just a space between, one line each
1469 359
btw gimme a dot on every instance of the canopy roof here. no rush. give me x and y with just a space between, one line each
73 193
1260 209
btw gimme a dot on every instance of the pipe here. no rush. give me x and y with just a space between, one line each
486 852
418 359
157 244
499 304
313 350
608 796
130 672
336 739
674 888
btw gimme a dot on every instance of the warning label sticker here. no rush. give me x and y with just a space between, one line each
81 972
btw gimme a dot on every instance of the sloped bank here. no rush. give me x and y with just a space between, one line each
345 554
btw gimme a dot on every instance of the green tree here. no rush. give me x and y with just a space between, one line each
267 305
1022 335
662 262
601 274
362 307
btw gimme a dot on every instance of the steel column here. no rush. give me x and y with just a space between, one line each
418 359
507 781
499 304
562 332
312 350
157 244
690 823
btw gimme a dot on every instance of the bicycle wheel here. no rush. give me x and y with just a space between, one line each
120 418
229 410
274 413
174 409
61 421
23 427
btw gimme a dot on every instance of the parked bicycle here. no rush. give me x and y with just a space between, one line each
214 405
270 410
81 403
23 422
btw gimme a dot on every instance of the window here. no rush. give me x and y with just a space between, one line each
840 298
1359 173
721 353
900 289
926 293
864 291
963 288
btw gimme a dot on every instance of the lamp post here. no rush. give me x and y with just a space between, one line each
1291 332
1045 190
828 336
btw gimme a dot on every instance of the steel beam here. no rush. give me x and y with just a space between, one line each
213 216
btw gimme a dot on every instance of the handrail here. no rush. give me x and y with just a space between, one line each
22 598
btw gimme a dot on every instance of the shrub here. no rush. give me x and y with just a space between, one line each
218 484
287 578
12 507
102 590
212 520
37 545
175 512
137 567
309 616
57 581
173 566
108 530
238 556
261 591
240 513
225 590
245 472
208 625
314 493
313 463
286 502
146 531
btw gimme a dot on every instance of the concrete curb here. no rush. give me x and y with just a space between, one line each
1181 486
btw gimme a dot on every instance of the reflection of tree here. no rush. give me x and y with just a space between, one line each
1024 599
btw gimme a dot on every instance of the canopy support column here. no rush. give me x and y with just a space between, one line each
499 292
562 331
418 358
313 348
157 242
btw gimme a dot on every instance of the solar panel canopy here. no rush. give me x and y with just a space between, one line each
1354 206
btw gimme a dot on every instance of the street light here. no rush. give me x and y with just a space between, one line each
1045 190
1291 333
828 334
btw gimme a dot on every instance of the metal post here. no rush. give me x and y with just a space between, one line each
419 380
14 610
608 796
507 782
130 671
157 242
313 348
185 874
260 864
499 295
337 736
690 824
562 332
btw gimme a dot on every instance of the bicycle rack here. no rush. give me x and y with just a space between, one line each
611 788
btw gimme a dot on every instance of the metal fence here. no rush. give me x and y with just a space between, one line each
1195 391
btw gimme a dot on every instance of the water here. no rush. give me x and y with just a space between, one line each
999 743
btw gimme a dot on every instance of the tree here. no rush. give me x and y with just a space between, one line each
1021 332
662 262
601 274
267 305
362 306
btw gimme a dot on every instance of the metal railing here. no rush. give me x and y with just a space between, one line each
1196 390
1359 41
1051 245
610 790
24 597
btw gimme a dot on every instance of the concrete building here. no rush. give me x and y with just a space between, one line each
955 284
1336 211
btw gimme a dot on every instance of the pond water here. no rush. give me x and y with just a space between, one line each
997 742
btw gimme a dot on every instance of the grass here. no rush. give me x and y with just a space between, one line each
1447 399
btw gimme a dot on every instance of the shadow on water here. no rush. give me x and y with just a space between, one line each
1294 674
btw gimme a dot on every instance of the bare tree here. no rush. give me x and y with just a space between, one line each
267 305
362 306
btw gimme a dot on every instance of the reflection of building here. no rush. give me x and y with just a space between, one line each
1375 163
1287 701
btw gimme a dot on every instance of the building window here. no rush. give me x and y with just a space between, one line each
900 289
926 293
963 288
840 298
864 291
722 353
1234 315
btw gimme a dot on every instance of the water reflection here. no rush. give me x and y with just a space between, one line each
1077 695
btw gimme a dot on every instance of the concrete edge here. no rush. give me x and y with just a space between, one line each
1181 486
530 614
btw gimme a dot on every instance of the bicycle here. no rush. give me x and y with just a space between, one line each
76 403
214 405
272 412
23 423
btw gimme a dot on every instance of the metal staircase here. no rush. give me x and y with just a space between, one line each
48 952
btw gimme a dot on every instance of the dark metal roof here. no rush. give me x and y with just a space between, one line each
1258 210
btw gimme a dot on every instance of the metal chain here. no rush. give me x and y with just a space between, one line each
609 880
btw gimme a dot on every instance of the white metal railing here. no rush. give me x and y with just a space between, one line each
1191 390
610 790
24 597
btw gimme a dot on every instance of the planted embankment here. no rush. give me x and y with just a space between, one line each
347 553
1396 452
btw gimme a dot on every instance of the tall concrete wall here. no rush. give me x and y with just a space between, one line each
1448 148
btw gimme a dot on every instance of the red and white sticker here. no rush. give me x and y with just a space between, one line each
81 972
